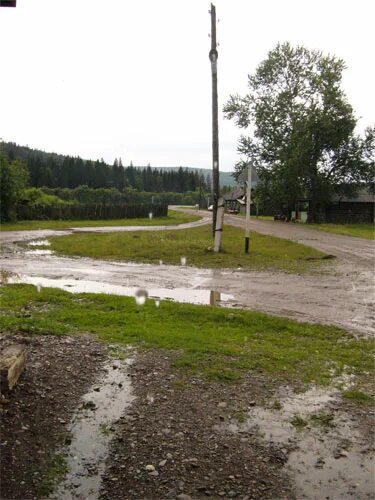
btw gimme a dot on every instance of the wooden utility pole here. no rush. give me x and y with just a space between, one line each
248 203
213 55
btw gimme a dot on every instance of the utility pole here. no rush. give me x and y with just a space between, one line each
248 203
213 55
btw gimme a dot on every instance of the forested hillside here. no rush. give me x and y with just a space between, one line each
57 171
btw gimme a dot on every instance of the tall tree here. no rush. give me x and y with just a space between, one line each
301 127
13 179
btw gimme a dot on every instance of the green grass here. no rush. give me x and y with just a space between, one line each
55 473
196 244
358 230
298 422
359 396
218 343
29 225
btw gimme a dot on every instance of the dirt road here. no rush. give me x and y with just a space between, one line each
344 296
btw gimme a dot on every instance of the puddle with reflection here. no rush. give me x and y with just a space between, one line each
39 243
91 433
327 455
183 295
39 251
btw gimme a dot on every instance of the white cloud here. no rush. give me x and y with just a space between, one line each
132 79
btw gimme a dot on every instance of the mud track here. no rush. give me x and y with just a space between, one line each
342 296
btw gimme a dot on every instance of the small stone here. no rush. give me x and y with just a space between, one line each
183 496
162 463
154 473
231 494
222 404
150 468
169 456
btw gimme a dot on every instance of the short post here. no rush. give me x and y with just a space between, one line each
219 225
248 202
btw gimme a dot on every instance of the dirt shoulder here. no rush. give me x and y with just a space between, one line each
182 437
34 418
170 443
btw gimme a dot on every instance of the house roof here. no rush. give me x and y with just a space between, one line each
363 196
234 195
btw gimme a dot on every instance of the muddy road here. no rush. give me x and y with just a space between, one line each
140 429
342 295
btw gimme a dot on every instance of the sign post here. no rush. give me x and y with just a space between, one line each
248 202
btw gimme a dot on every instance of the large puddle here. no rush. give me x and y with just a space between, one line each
327 456
184 295
91 432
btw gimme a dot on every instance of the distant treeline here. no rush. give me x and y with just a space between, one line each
89 212
88 196
57 171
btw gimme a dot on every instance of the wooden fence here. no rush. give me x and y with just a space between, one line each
90 212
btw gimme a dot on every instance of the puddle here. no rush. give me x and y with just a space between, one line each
327 456
183 295
39 251
39 243
91 433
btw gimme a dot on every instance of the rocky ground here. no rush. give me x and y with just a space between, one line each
170 445
34 416
181 438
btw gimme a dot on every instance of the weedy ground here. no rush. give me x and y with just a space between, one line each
217 343
29 225
267 252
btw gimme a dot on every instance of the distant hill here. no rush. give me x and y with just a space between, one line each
54 160
226 178
51 170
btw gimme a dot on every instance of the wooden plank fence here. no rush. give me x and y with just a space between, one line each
90 212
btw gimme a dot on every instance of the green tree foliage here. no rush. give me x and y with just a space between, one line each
13 179
52 171
301 128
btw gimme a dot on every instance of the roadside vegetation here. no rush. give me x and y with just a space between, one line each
29 225
358 230
216 343
267 252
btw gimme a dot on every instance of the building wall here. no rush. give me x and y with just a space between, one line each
346 212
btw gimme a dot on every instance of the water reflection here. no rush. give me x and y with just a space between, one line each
183 295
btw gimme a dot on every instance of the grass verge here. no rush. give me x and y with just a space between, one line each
55 473
267 252
29 225
358 230
218 343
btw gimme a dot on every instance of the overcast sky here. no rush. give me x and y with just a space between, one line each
132 79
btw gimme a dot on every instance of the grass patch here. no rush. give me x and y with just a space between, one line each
298 422
359 396
323 419
55 473
106 429
358 230
217 343
30 225
267 252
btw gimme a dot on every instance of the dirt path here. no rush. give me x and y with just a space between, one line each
343 297
181 437
177 436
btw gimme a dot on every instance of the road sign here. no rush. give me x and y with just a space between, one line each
244 174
